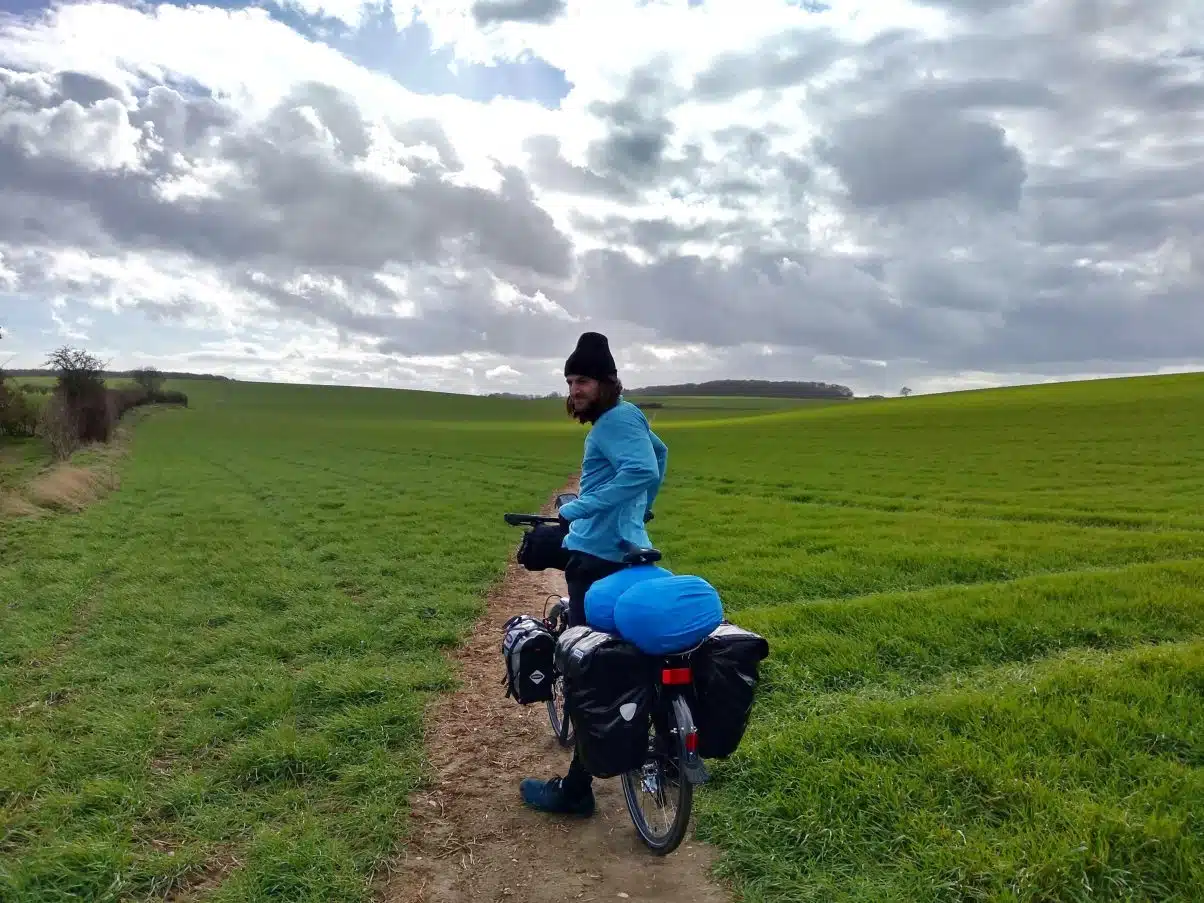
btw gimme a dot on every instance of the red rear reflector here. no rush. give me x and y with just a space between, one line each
676 677
692 742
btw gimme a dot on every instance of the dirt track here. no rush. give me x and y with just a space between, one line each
473 840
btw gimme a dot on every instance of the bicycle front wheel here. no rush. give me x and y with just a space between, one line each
562 725
659 796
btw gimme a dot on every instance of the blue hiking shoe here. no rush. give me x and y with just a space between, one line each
549 796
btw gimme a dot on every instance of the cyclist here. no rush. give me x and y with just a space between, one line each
622 470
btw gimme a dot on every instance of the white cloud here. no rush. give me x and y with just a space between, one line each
943 192
503 373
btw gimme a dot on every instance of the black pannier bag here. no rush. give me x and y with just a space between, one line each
726 672
541 548
608 689
528 648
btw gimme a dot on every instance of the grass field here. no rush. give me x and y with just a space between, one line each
986 614
19 460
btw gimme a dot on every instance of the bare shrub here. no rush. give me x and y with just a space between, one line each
57 427
81 386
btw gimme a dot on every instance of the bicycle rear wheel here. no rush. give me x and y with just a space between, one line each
662 782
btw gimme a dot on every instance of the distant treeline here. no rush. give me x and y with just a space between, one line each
518 396
750 388
120 374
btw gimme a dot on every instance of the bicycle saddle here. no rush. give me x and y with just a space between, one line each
634 554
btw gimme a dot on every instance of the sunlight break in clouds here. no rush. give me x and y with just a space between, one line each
942 193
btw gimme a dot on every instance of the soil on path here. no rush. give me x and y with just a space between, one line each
471 837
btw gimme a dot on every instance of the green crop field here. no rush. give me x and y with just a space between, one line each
985 610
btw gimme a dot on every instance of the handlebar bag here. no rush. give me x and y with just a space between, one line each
609 694
528 648
668 614
541 548
602 595
726 673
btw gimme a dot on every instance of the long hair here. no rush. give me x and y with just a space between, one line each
609 391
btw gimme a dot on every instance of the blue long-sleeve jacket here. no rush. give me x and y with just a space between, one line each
621 473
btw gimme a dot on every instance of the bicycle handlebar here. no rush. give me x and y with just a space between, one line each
529 520
632 553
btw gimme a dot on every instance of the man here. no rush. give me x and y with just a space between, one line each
621 473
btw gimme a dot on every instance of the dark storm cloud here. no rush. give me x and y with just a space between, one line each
950 317
636 157
540 12
979 93
1119 215
85 89
1110 325
822 301
52 91
638 128
783 60
652 236
914 154
456 314
635 152
549 169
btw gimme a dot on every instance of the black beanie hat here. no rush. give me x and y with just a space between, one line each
591 358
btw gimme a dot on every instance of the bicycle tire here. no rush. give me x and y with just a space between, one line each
562 725
666 843
558 715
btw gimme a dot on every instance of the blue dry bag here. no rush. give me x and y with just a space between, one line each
668 614
602 595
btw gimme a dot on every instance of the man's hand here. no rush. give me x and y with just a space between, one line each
566 514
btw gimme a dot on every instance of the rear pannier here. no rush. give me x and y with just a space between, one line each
726 672
609 693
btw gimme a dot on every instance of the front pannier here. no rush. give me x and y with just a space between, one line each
528 648
609 694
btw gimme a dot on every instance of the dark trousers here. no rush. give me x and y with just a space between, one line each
580 573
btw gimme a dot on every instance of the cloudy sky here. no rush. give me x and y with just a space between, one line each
937 193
